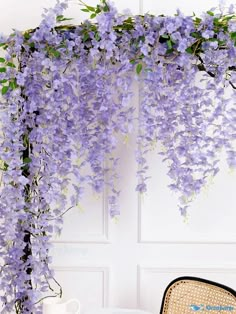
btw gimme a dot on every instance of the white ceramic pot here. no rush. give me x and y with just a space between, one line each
57 306
116 311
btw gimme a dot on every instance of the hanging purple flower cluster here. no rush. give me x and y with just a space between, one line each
67 94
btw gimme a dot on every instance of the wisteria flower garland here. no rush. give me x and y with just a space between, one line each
66 99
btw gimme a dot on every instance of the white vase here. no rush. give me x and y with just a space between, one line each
57 306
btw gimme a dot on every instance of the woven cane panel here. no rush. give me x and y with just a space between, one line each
186 293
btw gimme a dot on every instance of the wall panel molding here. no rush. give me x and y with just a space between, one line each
140 238
178 271
98 238
104 270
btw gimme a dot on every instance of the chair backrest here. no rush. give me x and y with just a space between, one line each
189 295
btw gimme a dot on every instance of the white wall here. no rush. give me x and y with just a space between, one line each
24 14
127 263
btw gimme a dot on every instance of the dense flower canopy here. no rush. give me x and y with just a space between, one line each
67 96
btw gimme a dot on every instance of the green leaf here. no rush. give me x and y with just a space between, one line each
168 51
221 42
142 38
32 45
85 10
139 68
92 9
189 50
210 13
197 20
86 37
2 60
13 84
92 16
106 8
27 160
225 28
169 44
212 39
2 70
10 64
195 35
233 35
98 9
97 37
56 53
67 19
61 18
25 140
165 36
26 36
3 81
132 61
5 90
228 18
4 166
216 21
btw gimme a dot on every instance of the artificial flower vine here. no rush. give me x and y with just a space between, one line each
66 98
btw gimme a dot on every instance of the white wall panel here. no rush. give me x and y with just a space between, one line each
26 14
211 215
152 282
88 284
169 7
87 222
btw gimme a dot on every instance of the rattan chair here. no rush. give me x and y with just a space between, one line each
189 295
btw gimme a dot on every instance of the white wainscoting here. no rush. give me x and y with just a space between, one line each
152 281
90 284
211 215
86 226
